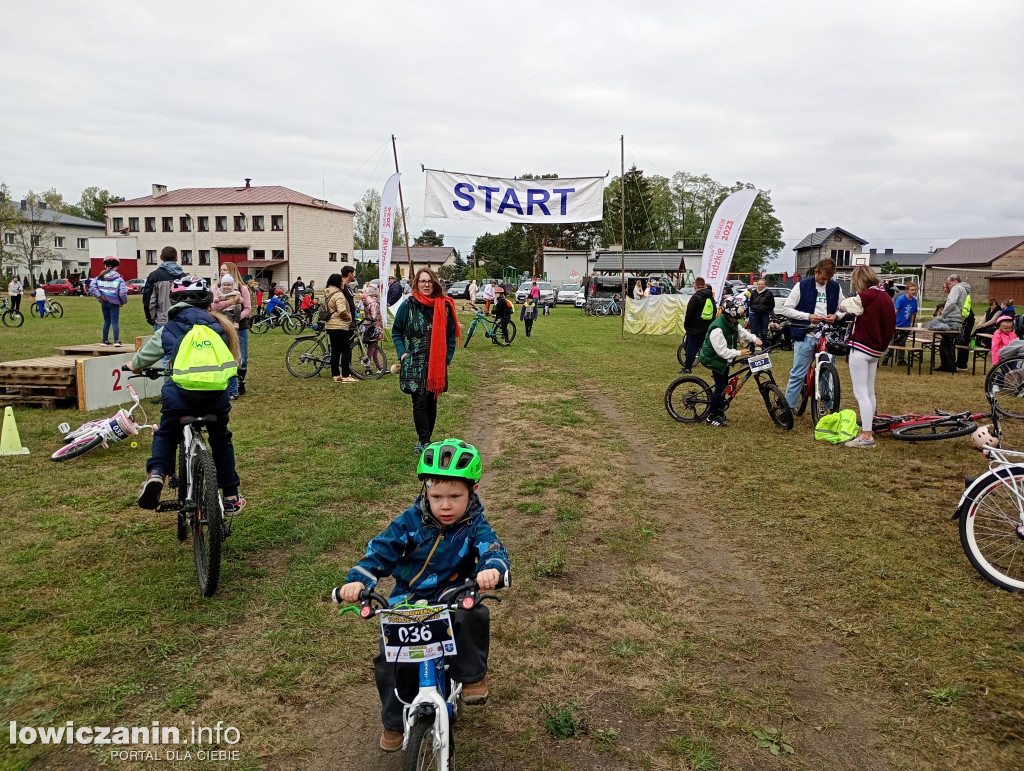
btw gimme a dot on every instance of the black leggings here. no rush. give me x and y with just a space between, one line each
16 302
424 415
341 348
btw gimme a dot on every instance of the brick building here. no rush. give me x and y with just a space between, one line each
975 260
271 232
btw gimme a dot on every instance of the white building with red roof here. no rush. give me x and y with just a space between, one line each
271 232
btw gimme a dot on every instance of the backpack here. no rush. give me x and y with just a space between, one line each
837 427
203 361
323 313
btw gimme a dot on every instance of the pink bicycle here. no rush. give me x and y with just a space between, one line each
96 432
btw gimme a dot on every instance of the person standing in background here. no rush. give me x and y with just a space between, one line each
762 306
112 292
14 290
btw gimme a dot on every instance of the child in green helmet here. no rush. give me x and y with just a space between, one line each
437 543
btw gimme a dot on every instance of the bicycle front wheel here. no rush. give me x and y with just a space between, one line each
991 532
293 326
937 429
510 330
1004 387
13 319
56 309
305 357
681 353
828 387
469 334
77 447
778 408
419 752
688 399
207 528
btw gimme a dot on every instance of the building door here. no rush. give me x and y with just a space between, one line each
231 256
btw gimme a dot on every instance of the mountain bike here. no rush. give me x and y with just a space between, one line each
991 519
96 432
53 308
198 502
927 428
423 634
688 398
1004 387
307 356
289 323
491 329
821 386
9 316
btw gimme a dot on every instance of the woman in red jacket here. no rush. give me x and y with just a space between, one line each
873 329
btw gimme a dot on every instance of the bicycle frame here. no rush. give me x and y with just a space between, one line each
812 384
430 701
883 423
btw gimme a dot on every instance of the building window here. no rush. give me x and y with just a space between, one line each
186 256
344 256
151 256
83 243
332 256
168 224
204 256
259 254
133 224
277 222
277 254
239 223
841 257
150 224
204 225
221 224
58 242
185 224
118 223
9 239
35 240
257 222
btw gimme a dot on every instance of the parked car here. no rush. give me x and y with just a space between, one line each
460 289
136 285
567 293
581 299
60 286
780 293
547 292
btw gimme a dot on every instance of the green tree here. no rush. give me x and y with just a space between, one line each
93 199
429 238
511 247
889 267
367 222
649 221
32 229
8 222
448 273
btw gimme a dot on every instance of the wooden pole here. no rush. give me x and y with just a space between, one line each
622 211
401 203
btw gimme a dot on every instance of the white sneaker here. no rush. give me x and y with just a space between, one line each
865 444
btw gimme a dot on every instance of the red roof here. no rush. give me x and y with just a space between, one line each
229 196
974 251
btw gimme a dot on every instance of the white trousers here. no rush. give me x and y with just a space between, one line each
863 369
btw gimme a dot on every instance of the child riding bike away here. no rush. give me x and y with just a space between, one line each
190 306
440 541
720 350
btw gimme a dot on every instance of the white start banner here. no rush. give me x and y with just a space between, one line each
722 236
533 201
388 198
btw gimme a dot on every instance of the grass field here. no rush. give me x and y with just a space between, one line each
681 594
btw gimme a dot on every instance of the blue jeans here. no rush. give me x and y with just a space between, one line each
111 314
759 325
803 357
243 347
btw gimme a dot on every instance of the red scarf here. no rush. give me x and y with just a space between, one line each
437 366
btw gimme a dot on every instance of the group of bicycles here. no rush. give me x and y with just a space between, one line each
602 306
15 318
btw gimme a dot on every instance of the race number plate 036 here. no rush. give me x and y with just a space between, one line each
760 363
417 634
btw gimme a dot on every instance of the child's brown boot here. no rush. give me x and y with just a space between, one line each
475 693
391 741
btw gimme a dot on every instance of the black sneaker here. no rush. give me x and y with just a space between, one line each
686 371
149 495
716 420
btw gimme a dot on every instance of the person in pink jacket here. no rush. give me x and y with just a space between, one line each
237 386
1003 335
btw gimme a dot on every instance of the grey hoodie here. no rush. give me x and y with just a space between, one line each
952 310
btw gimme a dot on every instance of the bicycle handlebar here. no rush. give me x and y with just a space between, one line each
464 596
151 372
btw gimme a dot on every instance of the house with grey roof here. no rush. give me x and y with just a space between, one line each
975 260
62 241
842 246
876 259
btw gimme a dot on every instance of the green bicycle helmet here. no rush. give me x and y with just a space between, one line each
452 459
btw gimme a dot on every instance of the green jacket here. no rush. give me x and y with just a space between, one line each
411 334
708 355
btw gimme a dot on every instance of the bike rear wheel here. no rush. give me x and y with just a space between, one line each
688 399
260 326
510 328
1004 387
207 528
77 447
991 531
828 385
681 353
778 408
368 362
946 428
13 318
305 357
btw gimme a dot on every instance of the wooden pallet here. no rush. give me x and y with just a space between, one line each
44 371
93 349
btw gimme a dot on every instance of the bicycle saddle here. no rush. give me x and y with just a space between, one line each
191 420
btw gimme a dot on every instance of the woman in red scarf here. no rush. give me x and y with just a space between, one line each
424 355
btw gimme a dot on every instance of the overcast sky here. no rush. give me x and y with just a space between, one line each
899 120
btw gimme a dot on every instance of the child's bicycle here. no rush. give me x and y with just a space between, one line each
309 355
688 398
52 308
10 317
821 386
96 432
289 323
426 629
491 329
927 428
198 502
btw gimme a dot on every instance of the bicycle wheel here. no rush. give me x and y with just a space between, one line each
991 532
56 309
681 353
293 326
261 326
469 334
305 357
778 408
603 311
1004 387
77 447
34 309
206 524
688 399
510 328
419 752
936 429
376 361
13 318
828 385
617 310
182 482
